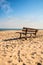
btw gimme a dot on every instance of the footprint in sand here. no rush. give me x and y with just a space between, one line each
10 56
10 61
33 53
38 63
13 64
24 64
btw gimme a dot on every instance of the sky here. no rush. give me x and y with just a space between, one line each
21 13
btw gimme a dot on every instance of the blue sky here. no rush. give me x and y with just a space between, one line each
20 13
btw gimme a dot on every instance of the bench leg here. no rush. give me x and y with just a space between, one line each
20 35
25 37
35 34
30 35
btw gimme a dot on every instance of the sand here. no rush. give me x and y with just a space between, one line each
15 51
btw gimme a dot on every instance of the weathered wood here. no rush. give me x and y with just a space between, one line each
29 28
26 31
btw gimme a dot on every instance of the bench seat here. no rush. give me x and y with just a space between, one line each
26 33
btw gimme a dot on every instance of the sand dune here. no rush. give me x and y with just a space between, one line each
15 51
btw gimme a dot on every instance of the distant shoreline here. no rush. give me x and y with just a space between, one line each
4 29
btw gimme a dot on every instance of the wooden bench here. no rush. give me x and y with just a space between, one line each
26 31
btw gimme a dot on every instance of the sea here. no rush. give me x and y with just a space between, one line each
4 29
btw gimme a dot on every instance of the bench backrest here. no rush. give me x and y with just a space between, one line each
29 30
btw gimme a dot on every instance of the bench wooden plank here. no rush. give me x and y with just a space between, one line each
26 31
29 28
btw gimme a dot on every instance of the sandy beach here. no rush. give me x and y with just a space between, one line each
15 51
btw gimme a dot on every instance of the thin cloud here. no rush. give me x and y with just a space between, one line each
5 6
